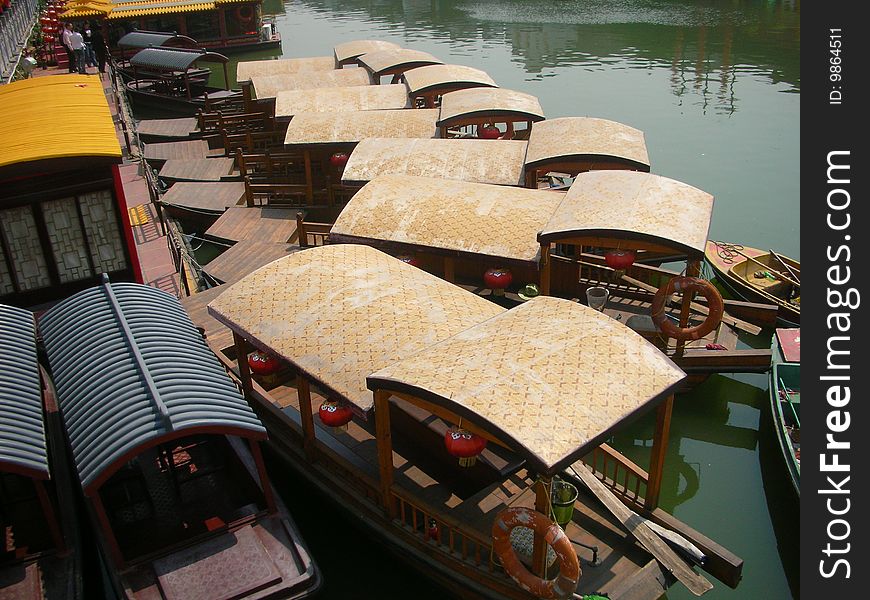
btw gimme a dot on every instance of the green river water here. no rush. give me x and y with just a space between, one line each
715 86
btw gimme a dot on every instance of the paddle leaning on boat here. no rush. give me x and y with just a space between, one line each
759 276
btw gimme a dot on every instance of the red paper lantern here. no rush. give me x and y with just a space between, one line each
411 260
263 363
488 132
619 259
48 38
464 445
339 159
497 280
335 414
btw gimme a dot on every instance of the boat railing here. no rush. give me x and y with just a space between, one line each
441 531
624 478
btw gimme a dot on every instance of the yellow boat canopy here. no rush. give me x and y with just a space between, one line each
58 117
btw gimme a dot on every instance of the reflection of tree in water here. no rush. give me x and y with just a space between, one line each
703 44
703 416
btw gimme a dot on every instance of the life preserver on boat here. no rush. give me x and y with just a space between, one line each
565 583
687 284
245 13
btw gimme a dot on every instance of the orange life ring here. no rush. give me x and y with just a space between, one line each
562 586
245 14
687 284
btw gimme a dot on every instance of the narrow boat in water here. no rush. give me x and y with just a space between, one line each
167 453
174 81
785 399
448 426
759 276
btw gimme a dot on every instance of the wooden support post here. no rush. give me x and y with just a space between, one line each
309 183
303 390
543 488
50 515
544 266
242 349
109 535
659 450
264 476
449 269
385 450
693 269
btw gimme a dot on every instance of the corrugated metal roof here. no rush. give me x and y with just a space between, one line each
172 60
55 117
131 369
147 39
22 431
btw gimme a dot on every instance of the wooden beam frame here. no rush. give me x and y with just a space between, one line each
659 451
303 391
385 450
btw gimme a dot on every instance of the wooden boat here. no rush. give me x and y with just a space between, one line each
42 555
135 41
785 399
225 25
167 453
335 320
172 80
759 276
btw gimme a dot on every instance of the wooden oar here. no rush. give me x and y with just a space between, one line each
788 267
726 318
782 276
663 553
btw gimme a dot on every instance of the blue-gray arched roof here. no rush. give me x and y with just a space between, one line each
22 430
131 370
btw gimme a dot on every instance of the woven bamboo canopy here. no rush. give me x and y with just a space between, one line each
481 161
630 209
351 127
497 104
349 51
248 68
551 378
391 61
584 138
341 312
440 79
341 99
268 86
447 215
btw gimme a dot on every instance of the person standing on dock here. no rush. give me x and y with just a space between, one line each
70 55
77 44
99 44
87 37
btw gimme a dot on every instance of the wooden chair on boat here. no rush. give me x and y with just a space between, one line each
310 233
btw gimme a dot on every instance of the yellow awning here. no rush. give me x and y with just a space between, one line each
130 11
61 116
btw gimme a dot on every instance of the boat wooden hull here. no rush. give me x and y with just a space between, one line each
736 274
785 408
143 97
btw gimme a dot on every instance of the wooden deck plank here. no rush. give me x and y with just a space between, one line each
163 151
167 128
217 334
207 196
198 169
263 223
245 257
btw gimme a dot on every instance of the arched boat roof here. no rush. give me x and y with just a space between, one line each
396 60
551 378
632 207
440 79
349 51
341 99
473 160
585 138
22 428
268 86
487 102
285 66
165 59
447 216
132 372
351 127
341 312
155 39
